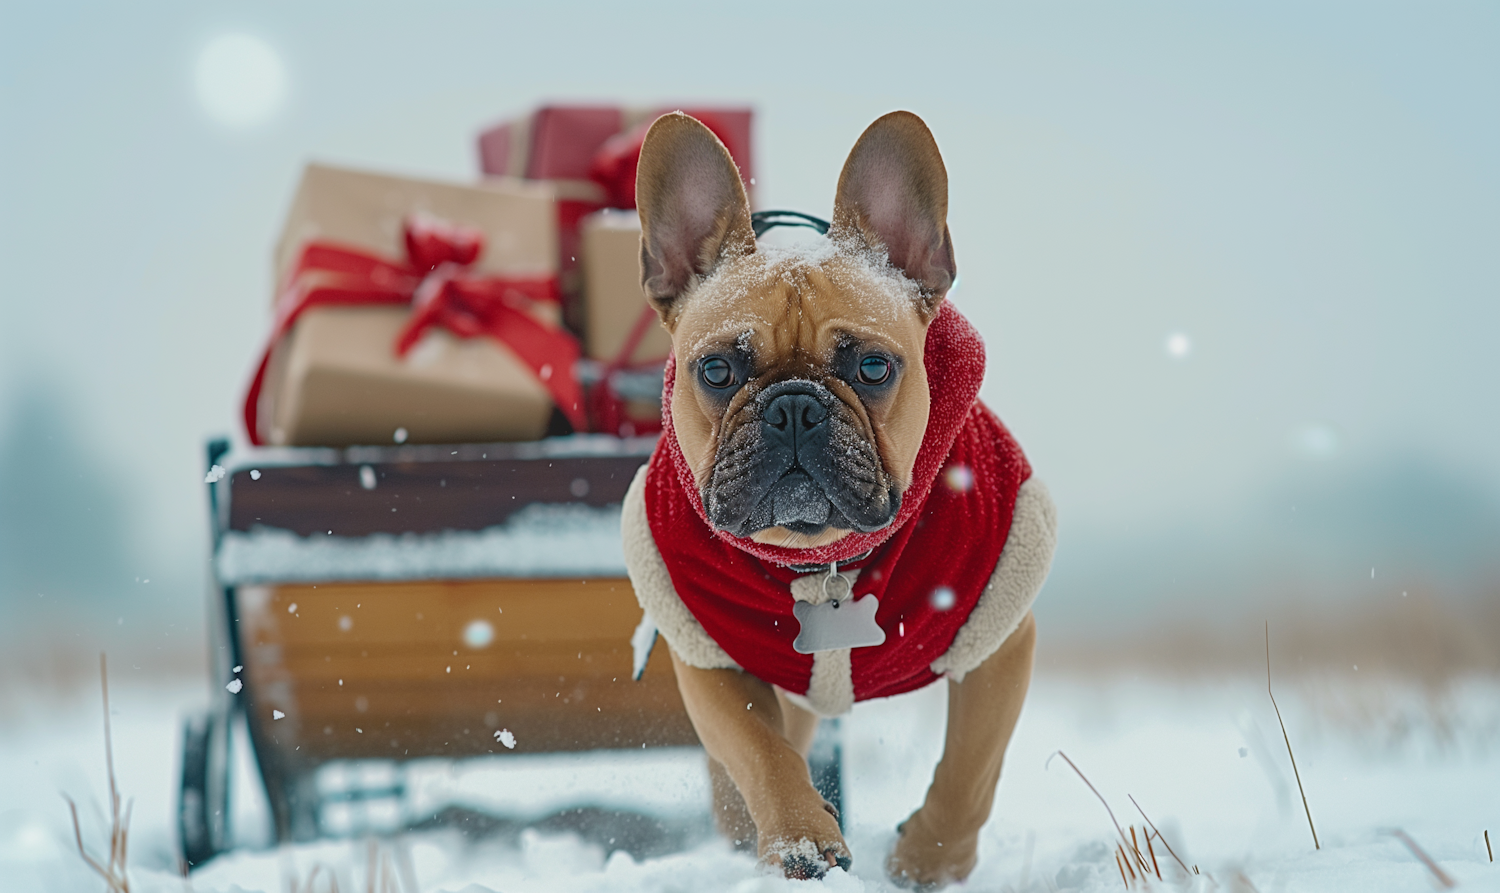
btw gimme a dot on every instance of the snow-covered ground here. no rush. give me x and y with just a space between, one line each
1205 759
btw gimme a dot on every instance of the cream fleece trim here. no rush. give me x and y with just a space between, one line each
1018 577
830 692
654 590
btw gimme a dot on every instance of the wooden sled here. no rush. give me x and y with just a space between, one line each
396 603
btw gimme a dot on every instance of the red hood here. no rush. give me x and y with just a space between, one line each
954 360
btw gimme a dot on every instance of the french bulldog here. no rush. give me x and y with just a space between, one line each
831 515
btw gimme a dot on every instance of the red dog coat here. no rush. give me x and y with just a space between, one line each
928 568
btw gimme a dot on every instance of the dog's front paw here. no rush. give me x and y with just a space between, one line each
925 858
806 848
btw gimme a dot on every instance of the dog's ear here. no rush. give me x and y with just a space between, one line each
693 209
893 193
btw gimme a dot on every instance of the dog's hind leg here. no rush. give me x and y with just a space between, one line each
939 843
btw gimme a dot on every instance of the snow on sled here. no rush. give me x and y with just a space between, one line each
379 605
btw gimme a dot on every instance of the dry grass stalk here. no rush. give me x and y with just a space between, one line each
380 874
1121 865
1487 844
1152 850
1444 880
1163 840
112 869
371 866
1126 857
1287 738
1139 857
407 871
333 880
1118 830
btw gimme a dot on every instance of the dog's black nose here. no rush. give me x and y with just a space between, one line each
794 418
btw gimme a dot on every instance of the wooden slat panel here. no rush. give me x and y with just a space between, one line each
412 664
543 714
557 673
437 612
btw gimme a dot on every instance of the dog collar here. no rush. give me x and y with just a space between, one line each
830 566
761 221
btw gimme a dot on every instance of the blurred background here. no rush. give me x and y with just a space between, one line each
1235 265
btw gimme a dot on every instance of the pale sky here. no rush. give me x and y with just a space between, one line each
1210 246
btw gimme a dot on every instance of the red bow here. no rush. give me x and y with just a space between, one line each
436 282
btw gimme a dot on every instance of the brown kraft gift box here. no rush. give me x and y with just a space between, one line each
335 379
613 300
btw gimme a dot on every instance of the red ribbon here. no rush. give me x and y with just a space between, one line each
436 282
606 408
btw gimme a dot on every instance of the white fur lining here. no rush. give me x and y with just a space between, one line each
653 587
1018 577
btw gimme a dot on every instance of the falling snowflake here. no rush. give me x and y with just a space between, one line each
1179 346
479 633
959 478
215 475
235 686
277 714
505 737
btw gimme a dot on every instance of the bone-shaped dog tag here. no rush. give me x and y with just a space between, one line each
837 624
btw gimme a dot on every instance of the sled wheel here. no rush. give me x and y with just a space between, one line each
203 803
826 765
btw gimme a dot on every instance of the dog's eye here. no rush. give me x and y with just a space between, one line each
716 372
874 370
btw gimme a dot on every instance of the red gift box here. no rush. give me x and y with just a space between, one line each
590 154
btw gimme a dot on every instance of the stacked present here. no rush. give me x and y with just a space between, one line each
505 310
466 315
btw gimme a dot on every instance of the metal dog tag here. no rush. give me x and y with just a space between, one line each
835 624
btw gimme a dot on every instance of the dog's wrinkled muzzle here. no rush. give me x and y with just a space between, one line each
803 464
